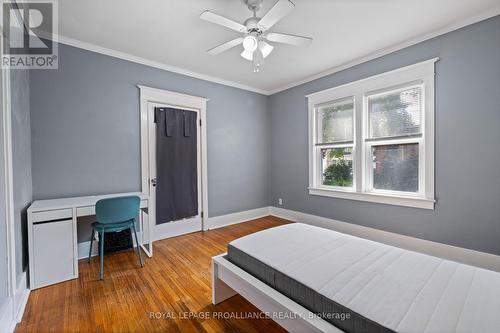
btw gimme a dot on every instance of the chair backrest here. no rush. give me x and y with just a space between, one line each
119 209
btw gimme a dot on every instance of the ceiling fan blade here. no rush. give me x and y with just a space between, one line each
226 46
221 20
279 10
288 39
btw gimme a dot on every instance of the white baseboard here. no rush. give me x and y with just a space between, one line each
83 248
450 252
11 312
212 223
225 220
21 297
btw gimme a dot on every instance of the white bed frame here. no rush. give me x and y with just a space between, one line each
229 280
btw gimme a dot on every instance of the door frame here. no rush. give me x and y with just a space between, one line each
184 225
174 99
8 313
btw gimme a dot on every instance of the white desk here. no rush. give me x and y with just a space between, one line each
52 236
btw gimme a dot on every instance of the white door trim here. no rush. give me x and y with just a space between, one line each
9 312
8 178
155 95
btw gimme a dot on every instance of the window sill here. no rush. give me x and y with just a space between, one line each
375 197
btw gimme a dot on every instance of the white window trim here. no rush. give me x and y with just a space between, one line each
420 72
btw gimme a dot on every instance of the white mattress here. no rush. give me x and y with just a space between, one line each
402 290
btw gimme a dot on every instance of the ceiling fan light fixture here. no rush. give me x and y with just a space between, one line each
265 48
250 43
248 55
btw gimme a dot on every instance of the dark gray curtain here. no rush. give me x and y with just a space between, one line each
176 164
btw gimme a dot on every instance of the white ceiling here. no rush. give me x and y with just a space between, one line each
170 32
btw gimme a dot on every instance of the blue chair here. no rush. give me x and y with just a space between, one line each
113 215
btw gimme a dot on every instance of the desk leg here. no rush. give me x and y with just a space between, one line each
75 243
31 266
146 244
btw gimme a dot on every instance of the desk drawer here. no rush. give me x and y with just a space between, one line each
51 215
90 210
53 252
85 211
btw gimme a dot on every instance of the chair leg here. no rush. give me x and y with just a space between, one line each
101 239
138 245
91 241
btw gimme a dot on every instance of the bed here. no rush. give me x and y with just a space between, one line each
311 279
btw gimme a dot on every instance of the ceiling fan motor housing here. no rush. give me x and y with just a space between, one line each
252 25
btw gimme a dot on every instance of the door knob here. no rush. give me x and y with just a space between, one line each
153 182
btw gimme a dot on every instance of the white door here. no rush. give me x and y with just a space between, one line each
165 229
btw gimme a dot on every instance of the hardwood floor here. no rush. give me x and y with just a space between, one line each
173 284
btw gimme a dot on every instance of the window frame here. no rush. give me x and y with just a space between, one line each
331 145
420 74
417 138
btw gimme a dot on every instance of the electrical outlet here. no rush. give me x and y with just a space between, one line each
280 201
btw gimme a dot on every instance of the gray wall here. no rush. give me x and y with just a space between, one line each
467 160
85 131
21 162
85 137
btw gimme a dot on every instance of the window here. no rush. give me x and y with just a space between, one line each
373 139
335 142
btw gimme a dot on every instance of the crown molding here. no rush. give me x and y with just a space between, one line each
377 54
143 61
396 47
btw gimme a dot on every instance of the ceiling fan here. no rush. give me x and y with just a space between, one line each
255 36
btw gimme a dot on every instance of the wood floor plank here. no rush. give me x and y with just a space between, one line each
175 285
